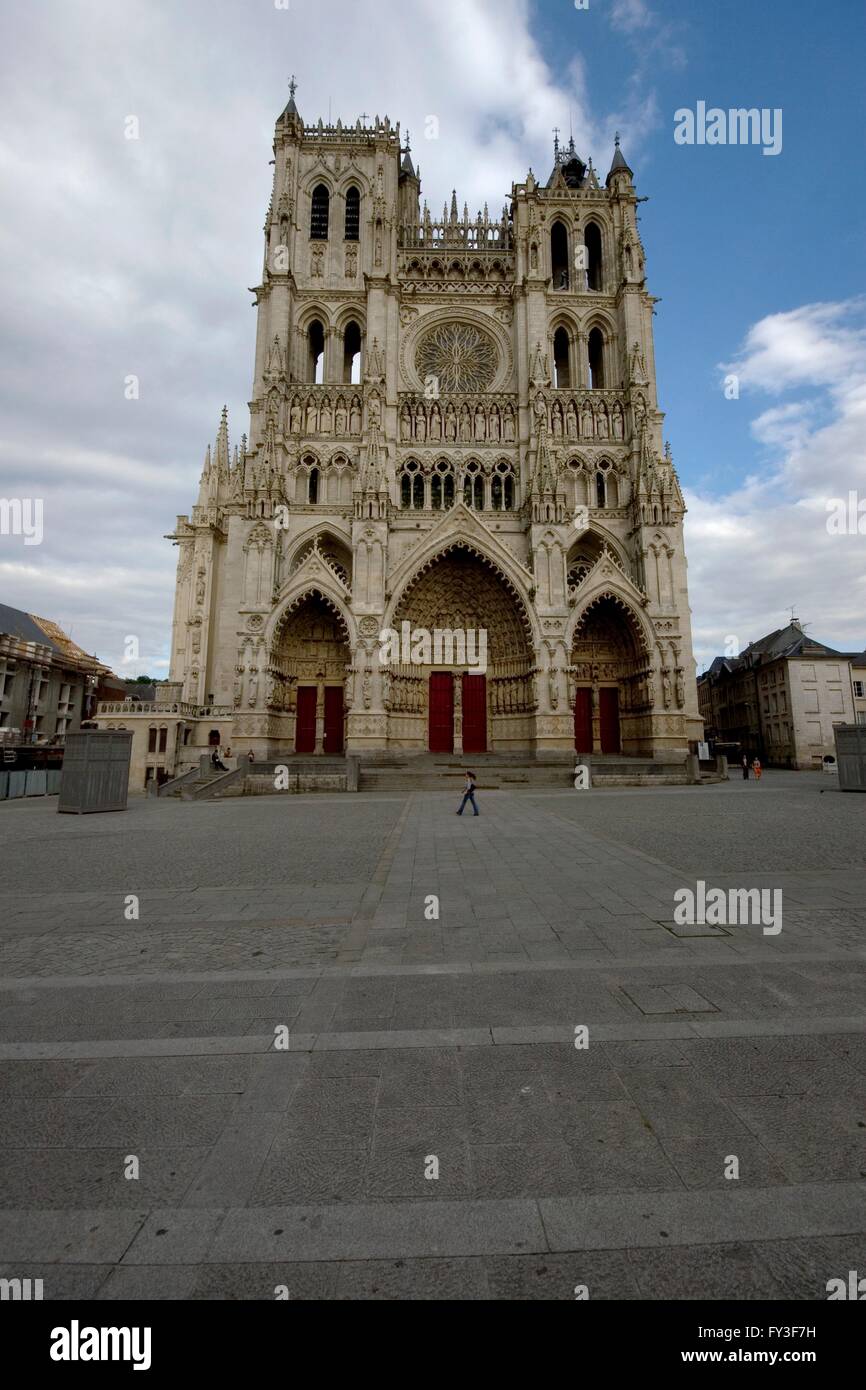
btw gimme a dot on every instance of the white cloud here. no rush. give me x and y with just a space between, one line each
630 15
765 547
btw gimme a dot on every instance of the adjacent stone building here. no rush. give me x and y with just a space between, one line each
47 683
453 425
780 698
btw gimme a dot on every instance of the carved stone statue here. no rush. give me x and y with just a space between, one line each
200 586
553 688
681 688
450 423
667 688
571 421
340 418
355 418
295 418
435 423
508 426
480 427
494 426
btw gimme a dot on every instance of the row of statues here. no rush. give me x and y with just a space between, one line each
483 424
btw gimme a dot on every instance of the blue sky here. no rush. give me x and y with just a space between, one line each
124 257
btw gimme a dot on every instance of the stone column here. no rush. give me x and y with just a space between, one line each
458 711
320 715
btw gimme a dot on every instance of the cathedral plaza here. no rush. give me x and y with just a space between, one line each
341 1047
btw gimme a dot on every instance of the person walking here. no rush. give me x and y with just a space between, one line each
469 794
756 768
216 761
745 764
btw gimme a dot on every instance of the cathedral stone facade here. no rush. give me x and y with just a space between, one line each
454 425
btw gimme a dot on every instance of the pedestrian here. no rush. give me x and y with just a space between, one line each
217 762
469 794
745 763
756 768
251 757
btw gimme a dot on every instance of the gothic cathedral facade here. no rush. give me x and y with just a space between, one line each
454 425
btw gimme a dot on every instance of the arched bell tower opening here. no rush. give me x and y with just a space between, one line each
307 675
611 681
471 689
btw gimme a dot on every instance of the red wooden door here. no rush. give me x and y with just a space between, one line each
583 720
441 725
474 714
305 724
609 711
333 719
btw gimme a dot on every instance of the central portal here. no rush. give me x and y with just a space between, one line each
464 678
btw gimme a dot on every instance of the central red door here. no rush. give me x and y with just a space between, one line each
609 711
333 719
474 714
305 724
583 719
441 725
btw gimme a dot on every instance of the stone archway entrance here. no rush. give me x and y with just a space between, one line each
307 676
611 681
464 681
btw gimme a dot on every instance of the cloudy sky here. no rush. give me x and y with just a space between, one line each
129 257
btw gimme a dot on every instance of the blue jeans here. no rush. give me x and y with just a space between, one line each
468 796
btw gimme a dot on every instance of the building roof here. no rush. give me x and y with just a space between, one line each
27 627
783 644
18 624
788 642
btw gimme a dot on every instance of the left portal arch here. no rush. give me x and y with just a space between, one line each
309 655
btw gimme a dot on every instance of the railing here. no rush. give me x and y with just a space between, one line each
181 707
480 235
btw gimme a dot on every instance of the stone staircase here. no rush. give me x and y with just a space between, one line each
506 771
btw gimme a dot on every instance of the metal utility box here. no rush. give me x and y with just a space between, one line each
851 756
95 771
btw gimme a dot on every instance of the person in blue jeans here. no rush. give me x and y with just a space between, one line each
469 794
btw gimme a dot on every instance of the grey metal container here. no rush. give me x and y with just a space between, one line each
95 771
851 756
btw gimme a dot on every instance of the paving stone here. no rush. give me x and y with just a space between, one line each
430 1280
603 1274
233 1282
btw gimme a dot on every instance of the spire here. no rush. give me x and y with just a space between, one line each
454 213
407 167
221 456
618 164
290 109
